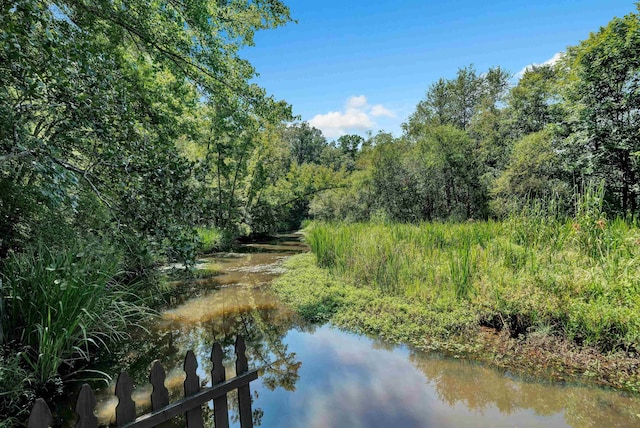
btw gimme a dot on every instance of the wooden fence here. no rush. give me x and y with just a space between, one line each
162 410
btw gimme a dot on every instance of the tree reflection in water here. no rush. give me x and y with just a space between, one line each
480 388
263 327
345 376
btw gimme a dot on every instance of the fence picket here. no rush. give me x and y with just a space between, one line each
190 405
126 408
192 386
85 406
160 394
244 395
220 408
40 416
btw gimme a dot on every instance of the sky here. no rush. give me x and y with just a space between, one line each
354 66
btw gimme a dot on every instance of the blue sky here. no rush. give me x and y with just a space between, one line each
352 66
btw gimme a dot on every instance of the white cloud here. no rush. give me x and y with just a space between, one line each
357 102
379 110
335 123
551 61
356 116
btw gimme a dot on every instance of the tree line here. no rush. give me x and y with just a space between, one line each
479 146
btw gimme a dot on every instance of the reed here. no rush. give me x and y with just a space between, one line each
578 276
210 239
62 302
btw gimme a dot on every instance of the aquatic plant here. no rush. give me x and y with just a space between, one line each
62 302
529 269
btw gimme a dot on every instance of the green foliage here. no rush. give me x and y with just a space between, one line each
351 202
61 302
306 143
456 101
534 172
211 239
602 90
97 97
461 266
318 296
578 275
14 381
116 117
394 186
533 102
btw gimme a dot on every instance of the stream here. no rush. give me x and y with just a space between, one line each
320 376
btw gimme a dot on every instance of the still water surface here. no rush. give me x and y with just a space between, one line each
319 376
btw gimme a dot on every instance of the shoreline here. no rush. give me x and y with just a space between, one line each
318 296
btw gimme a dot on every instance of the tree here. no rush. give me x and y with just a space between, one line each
535 101
94 96
394 185
306 143
457 101
350 144
534 171
605 90
448 173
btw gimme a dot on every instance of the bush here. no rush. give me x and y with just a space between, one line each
62 302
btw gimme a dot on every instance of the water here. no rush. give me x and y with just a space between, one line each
319 376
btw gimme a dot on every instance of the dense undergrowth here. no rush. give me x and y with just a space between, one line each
59 305
577 278
568 285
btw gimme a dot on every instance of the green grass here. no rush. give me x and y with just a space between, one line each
14 381
211 239
579 277
449 326
60 303
318 296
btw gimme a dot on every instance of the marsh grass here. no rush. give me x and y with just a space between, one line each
60 303
579 277
210 239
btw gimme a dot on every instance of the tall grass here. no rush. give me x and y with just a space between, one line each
61 302
461 268
578 275
213 239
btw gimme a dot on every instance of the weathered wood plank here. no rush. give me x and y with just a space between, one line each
85 405
40 416
244 394
160 393
179 407
220 407
192 386
126 408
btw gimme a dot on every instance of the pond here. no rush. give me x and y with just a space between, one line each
319 376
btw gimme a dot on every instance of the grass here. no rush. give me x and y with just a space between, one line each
444 326
580 276
210 238
559 292
13 385
318 296
60 304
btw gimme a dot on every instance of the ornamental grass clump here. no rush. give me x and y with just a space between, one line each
62 303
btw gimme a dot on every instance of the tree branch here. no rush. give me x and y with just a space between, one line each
17 155
313 192
85 176
175 57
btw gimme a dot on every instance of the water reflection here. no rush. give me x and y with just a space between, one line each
348 380
263 329
246 307
322 377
